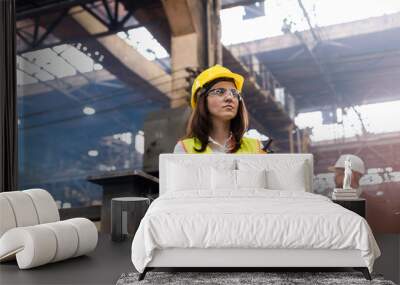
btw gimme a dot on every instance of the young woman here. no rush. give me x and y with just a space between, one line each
219 118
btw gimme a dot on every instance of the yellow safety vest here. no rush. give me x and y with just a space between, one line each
248 145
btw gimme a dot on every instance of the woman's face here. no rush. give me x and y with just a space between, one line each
222 106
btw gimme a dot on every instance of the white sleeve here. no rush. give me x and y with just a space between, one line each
179 148
261 144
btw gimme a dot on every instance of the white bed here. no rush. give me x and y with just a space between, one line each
203 219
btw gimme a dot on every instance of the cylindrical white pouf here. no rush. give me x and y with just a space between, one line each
67 239
45 205
87 235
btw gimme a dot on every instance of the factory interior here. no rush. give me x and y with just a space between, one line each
101 88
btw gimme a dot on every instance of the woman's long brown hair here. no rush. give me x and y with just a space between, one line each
200 124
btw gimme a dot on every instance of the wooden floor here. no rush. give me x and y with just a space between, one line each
102 266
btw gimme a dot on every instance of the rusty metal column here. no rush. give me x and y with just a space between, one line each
213 24
217 40
298 140
291 141
183 54
185 18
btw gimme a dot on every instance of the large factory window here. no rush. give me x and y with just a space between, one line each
81 106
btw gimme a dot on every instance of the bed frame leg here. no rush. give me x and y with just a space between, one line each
143 274
364 271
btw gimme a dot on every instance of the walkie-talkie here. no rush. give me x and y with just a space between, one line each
266 147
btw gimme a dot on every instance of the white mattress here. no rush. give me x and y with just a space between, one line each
256 218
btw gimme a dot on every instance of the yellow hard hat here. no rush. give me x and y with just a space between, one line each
208 75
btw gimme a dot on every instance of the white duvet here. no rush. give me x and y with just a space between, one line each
256 218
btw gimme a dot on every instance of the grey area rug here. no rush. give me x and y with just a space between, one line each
225 278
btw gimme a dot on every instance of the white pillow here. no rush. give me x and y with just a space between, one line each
230 180
286 177
188 177
251 178
223 179
194 174
281 174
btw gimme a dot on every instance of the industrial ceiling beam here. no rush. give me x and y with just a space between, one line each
120 59
334 32
323 70
148 14
50 7
125 62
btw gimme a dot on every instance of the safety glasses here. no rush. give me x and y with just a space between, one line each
221 92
